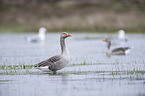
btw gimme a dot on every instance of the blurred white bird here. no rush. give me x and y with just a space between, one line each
39 37
121 35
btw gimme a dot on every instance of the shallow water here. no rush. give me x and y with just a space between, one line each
89 73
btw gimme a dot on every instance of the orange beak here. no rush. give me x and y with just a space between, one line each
104 39
68 35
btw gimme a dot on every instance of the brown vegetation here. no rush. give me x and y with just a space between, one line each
109 15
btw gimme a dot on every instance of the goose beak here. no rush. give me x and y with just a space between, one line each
68 35
104 39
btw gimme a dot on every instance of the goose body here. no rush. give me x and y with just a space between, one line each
39 37
116 51
59 61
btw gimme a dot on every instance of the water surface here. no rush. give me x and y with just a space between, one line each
89 73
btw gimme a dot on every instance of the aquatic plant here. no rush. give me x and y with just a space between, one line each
23 66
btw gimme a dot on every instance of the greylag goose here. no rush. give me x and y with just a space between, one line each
121 35
116 51
39 37
59 61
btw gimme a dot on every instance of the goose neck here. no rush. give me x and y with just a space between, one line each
63 46
109 44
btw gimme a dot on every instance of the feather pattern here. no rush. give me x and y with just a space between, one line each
49 61
59 61
120 49
54 59
116 51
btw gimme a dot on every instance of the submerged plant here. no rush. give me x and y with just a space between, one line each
27 71
112 73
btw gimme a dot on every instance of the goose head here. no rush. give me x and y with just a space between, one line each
41 34
107 40
108 43
64 50
64 35
121 34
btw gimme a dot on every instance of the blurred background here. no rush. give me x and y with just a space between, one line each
72 15
90 72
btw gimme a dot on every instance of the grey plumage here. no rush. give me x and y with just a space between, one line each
48 62
121 49
116 51
59 61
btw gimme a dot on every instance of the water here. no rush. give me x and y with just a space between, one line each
89 73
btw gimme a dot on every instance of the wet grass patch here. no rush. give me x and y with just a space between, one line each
22 66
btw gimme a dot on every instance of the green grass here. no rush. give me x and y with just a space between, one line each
10 67
132 75
22 69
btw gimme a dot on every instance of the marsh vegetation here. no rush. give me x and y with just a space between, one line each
102 16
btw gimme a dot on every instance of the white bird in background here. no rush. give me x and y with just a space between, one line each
121 35
39 37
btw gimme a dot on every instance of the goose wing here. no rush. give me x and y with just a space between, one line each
120 49
49 61
54 59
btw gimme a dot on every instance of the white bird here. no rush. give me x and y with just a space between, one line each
116 51
59 61
39 37
121 35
